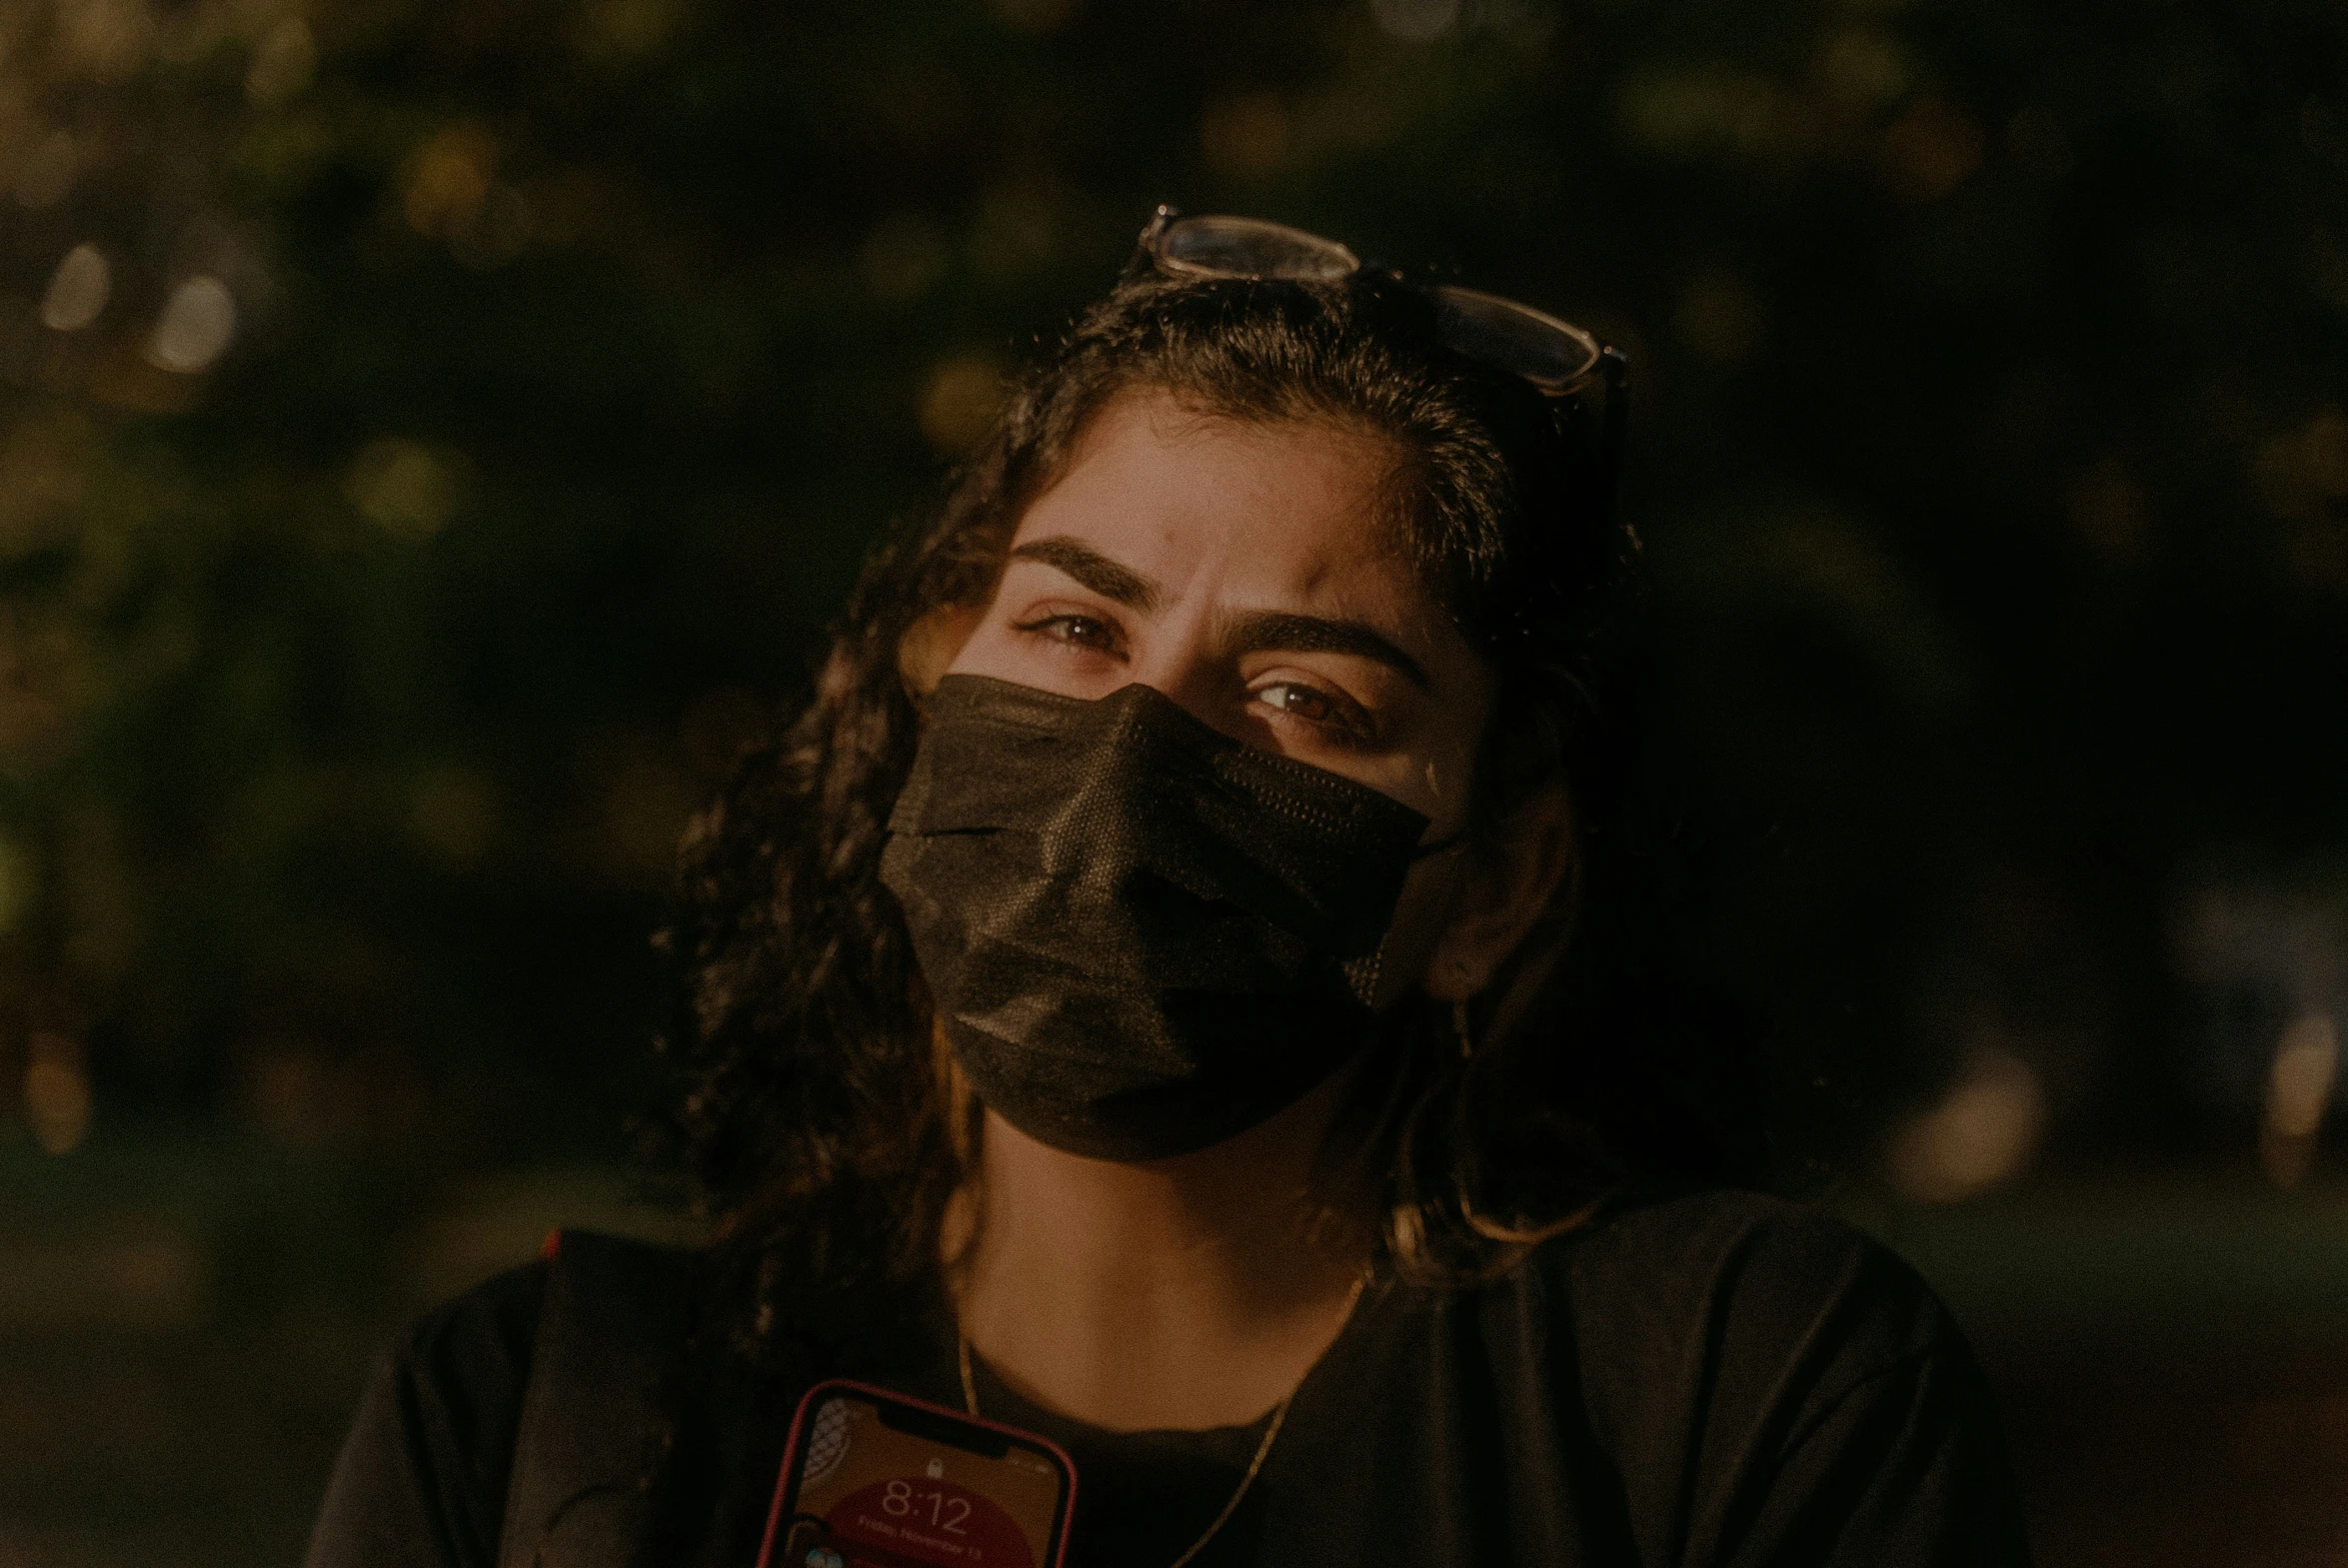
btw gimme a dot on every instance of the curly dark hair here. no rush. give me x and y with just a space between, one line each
825 1123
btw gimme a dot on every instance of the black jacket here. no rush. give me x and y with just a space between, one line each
1708 1380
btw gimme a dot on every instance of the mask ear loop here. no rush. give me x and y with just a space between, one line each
1362 973
1462 1030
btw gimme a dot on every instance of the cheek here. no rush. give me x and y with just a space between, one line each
987 647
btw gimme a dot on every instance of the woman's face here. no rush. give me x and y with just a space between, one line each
1246 572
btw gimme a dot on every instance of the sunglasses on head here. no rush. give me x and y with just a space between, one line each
1584 379
1556 357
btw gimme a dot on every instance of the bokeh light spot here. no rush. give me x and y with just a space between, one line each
105 40
2299 1089
1246 135
1981 1134
960 400
1416 20
196 327
2300 470
56 1093
448 180
632 27
1929 151
78 290
403 487
1864 67
1693 112
283 64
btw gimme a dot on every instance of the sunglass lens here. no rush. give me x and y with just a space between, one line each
1249 248
1543 350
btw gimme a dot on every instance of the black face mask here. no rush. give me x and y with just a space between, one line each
1141 935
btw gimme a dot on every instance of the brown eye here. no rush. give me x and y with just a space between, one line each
1074 631
1300 701
1077 633
1335 715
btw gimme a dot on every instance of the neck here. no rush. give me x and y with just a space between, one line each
1188 1292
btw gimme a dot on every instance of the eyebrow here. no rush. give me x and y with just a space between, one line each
1256 631
1268 631
1117 584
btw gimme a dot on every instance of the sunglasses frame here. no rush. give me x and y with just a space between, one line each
1592 405
1604 362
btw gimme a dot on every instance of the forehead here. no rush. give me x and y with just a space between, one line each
1294 506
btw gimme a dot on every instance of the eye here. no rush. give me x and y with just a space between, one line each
1074 630
1315 705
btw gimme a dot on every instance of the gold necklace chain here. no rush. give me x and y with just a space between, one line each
1279 1414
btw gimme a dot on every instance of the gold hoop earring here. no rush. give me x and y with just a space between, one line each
1462 1030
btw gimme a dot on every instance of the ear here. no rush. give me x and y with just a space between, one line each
1505 890
929 643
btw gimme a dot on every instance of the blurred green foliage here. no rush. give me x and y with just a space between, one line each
431 429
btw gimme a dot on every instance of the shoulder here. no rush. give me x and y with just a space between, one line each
479 1342
429 1469
421 1482
1771 1385
1743 1266
604 1291
1726 1310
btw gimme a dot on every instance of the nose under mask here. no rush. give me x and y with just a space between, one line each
1142 937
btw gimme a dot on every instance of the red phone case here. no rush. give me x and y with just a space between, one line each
799 1423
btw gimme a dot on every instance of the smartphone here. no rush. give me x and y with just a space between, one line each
873 1479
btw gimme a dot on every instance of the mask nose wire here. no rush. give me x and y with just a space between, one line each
1425 852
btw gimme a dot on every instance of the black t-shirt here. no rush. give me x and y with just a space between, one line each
1714 1379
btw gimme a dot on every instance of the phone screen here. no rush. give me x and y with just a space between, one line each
887 1482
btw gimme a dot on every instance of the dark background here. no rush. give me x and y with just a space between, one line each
432 434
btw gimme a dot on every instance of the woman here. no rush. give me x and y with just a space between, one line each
1126 1002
